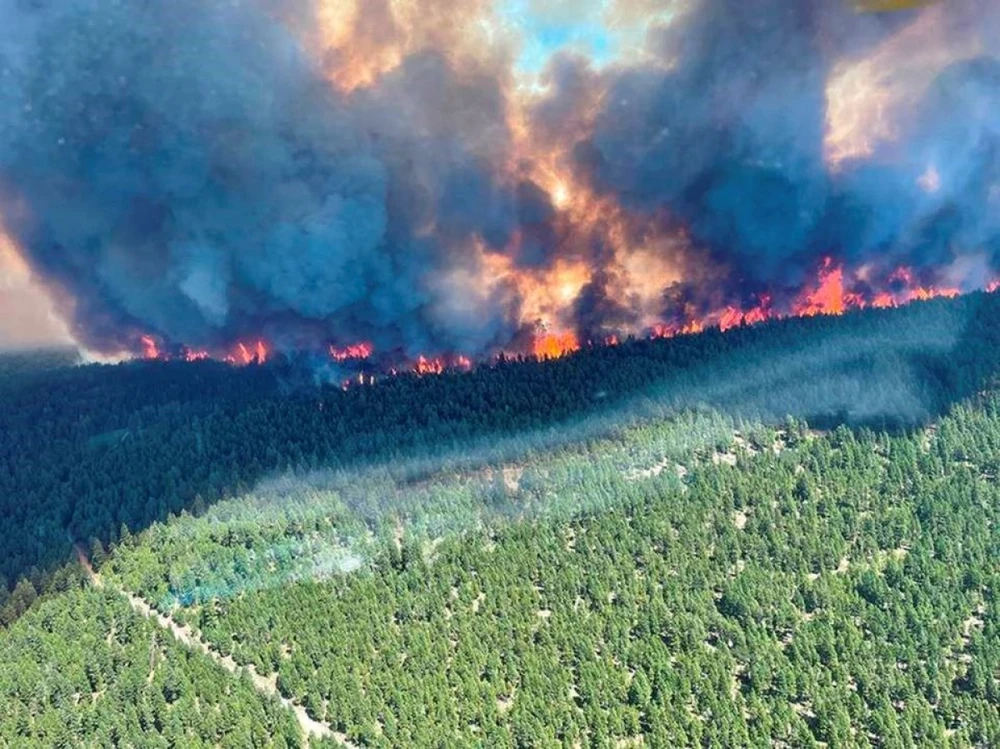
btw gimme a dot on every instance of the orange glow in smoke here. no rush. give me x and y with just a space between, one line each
833 292
597 244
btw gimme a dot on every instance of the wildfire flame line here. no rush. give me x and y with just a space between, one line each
571 200
832 293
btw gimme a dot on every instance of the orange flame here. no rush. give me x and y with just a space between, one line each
191 355
664 330
829 296
150 348
554 345
244 355
425 366
733 317
832 293
641 256
357 351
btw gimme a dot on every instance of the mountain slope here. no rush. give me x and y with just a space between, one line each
641 544
757 600
86 451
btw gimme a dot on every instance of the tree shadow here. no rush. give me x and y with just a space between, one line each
89 453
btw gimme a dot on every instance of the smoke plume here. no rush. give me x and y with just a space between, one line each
318 174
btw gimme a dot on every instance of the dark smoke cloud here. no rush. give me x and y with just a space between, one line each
725 129
183 168
730 137
186 168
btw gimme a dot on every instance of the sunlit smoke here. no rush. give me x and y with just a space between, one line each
868 94
27 315
422 185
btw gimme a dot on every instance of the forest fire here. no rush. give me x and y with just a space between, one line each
733 317
150 348
242 354
834 291
416 186
253 353
829 296
425 366
554 345
354 352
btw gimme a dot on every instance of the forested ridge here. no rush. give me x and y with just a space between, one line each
781 535
85 670
776 588
86 451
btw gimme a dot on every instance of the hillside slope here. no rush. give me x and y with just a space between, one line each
785 588
87 451
641 544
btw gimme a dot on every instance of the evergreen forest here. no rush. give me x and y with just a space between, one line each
781 535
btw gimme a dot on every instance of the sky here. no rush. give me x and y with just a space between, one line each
547 27
604 31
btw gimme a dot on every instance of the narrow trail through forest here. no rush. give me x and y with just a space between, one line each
266 685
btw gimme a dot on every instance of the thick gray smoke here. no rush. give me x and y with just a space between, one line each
182 168
726 129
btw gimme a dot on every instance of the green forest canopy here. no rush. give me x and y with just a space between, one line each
649 550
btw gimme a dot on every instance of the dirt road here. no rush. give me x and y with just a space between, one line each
266 685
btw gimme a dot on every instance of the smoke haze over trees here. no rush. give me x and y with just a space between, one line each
88 451
701 578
